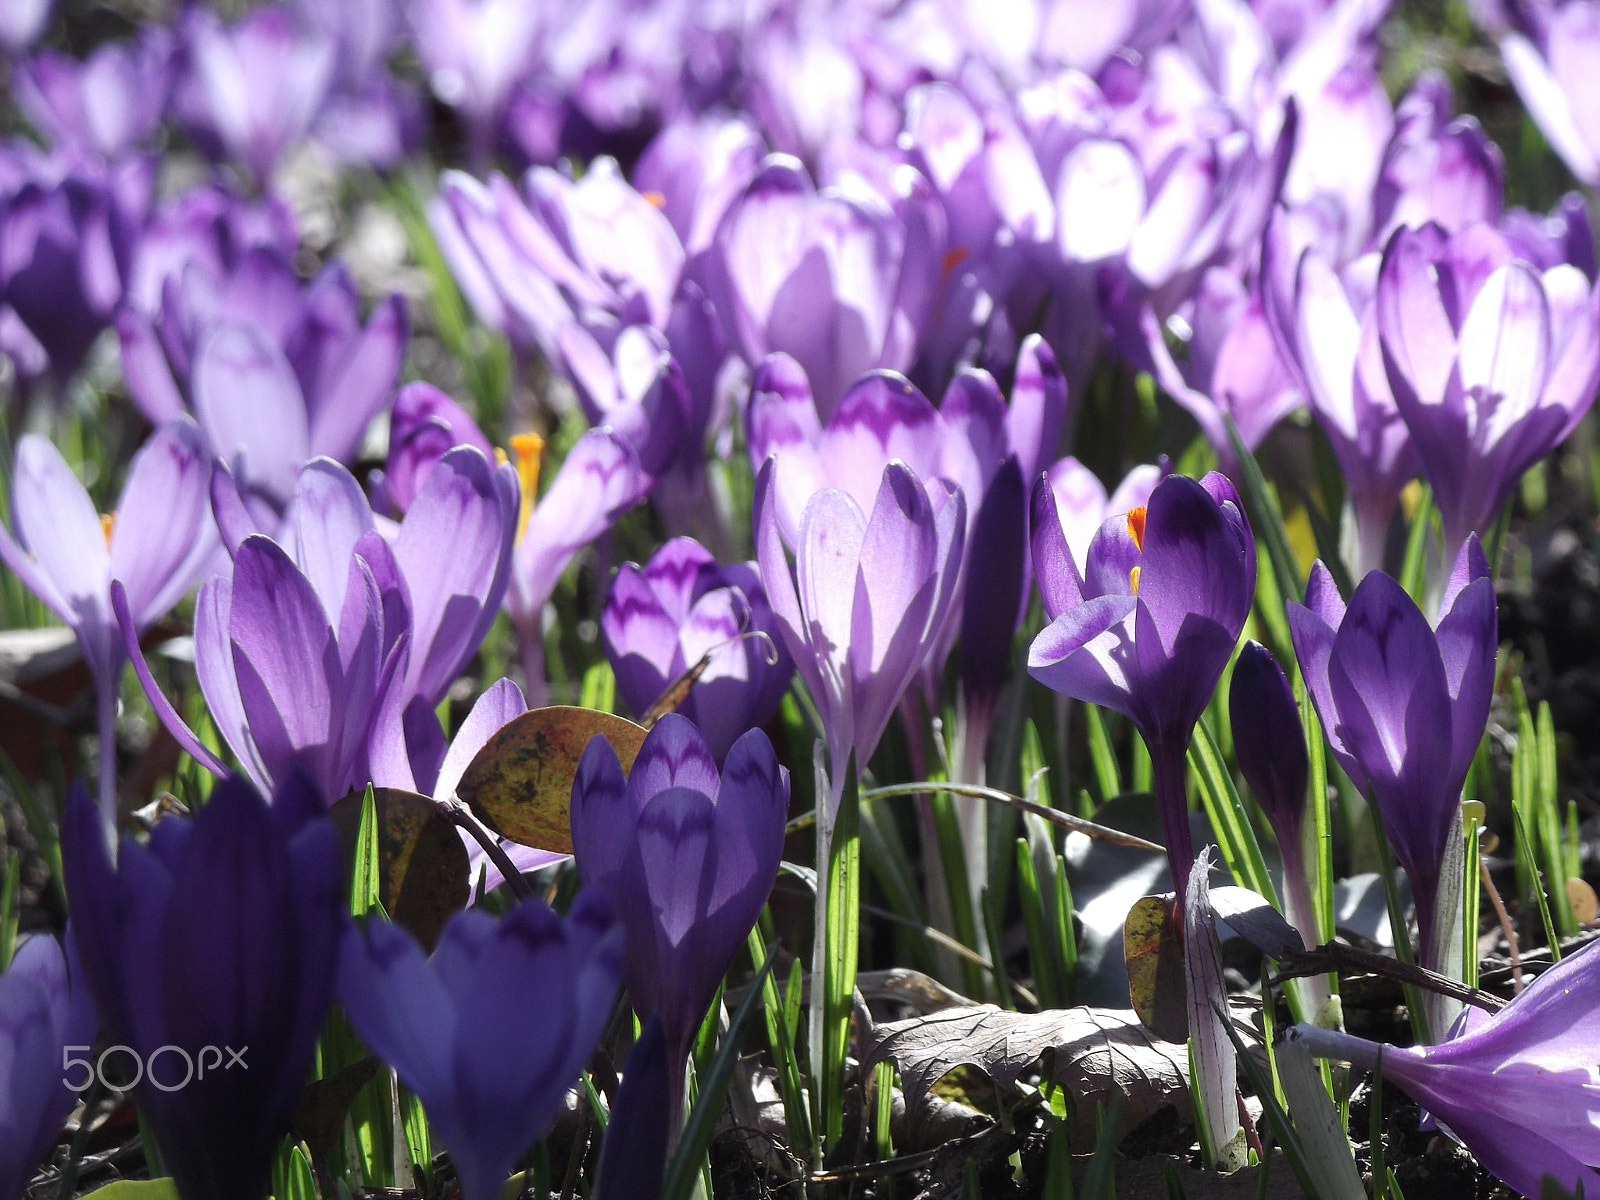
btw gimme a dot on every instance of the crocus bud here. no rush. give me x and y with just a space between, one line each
219 938
45 1016
686 856
493 1029
1403 704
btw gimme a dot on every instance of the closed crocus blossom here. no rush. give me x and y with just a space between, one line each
687 857
1404 704
222 932
1165 592
44 1010
473 53
155 543
1551 59
1492 363
275 372
867 594
492 1030
1518 1087
662 619
66 246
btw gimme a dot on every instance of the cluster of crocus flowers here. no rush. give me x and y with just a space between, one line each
1151 622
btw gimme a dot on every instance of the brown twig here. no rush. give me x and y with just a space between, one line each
1505 924
1335 955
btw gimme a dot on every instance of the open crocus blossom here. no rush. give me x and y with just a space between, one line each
67 554
1492 363
687 857
219 937
660 620
1403 705
492 1030
1151 624
866 596
1518 1087
42 1012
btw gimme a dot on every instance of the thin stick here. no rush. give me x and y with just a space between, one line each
1505 924
1055 816
462 816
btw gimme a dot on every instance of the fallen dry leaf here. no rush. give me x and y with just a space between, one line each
1092 1052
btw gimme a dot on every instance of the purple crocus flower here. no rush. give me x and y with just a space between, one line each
1081 507
66 246
660 620
22 21
155 543
275 373
311 642
1517 1087
424 424
474 52
1561 236
1492 363
697 168
222 933
491 1030
633 1157
1152 623
42 1013
867 595
106 104
252 90
1551 54
1403 704
1327 322
687 858
839 278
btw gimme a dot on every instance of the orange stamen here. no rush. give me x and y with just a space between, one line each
108 522
1136 526
527 447
654 199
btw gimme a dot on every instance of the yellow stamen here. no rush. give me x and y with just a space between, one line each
1136 526
527 447
108 522
1133 579
654 199
500 457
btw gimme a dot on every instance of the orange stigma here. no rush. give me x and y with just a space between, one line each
1136 526
654 199
952 258
108 522
527 447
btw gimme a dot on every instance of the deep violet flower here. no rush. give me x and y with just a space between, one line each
687 857
155 542
1517 1087
423 425
1404 704
43 1010
1151 624
107 103
222 932
1492 363
661 619
491 1030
